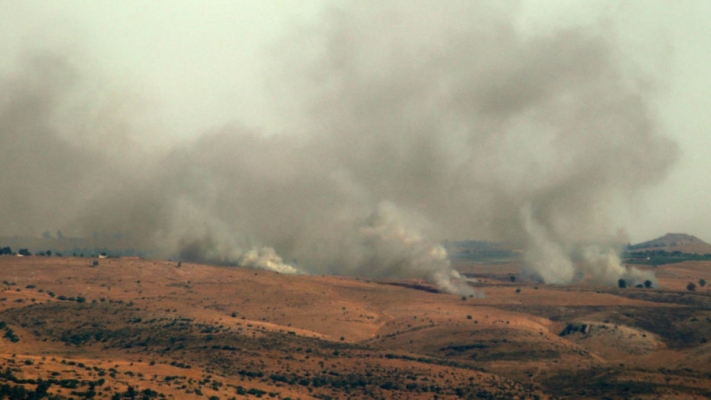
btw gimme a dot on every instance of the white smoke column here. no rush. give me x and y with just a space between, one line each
545 259
266 258
484 131
553 262
214 242
206 249
604 266
389 248
416 123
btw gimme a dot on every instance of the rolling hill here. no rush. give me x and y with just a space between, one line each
128 327
675 242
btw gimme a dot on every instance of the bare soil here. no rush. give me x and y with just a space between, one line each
135 328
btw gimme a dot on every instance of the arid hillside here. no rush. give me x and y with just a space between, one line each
133 328
675 242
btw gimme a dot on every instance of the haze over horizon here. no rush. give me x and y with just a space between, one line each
356 137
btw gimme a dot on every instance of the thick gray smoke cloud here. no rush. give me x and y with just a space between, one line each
415 124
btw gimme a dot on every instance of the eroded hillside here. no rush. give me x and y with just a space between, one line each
158 329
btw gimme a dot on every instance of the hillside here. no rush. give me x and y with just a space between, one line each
675 242
136 328
477 250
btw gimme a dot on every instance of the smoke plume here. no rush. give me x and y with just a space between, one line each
416 123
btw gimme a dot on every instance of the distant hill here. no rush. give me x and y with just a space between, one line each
113 246
674 242
478 250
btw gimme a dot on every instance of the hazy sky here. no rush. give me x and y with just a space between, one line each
182 67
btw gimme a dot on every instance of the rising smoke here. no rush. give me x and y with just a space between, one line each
422 123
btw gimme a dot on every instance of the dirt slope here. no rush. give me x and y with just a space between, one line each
155 329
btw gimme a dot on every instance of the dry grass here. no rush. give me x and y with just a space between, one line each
182 331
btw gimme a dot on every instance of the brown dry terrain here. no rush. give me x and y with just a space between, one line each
134 328
676 242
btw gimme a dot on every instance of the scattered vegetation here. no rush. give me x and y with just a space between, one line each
661 257
227 357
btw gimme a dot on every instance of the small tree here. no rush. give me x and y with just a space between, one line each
622 283
702 282
691 286
648 284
